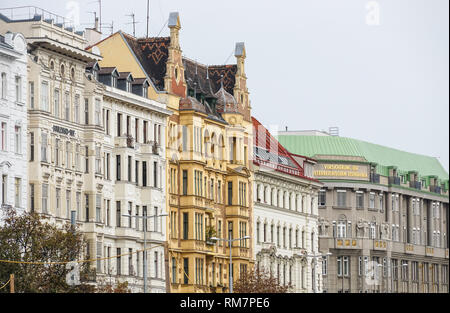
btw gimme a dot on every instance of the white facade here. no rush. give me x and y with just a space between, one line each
285 229
136 193
13 121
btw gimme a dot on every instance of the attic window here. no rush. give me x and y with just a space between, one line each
176 73
52 65
62 70
72 73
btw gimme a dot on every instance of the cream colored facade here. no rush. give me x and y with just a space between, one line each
73 146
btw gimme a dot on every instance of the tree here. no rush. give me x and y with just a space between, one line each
29 238
259 281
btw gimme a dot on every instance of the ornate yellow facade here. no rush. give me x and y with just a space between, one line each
208 146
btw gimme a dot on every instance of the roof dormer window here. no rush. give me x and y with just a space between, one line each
113 81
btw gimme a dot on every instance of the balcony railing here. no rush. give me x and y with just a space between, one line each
435 189
130 142
394 180
375 178
415 185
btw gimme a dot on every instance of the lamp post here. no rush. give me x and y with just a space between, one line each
230 241
315 257
145 242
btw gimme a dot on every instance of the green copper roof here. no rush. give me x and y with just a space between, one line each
311 146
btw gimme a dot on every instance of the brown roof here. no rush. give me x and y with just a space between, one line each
152 53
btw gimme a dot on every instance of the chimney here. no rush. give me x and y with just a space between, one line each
93 35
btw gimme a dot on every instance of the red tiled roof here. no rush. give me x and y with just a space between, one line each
270 153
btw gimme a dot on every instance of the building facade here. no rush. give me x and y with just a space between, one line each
383 216
96 153
208 142
285 237
13 121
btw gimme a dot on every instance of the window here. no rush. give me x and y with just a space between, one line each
58 202
130 164
32 198
339 266
119 262
145 131
341 198
77 109
257 232
18 83
360 266
31 92
86 159
17 193
4 82
342 229
86 111
17 140
118 170
44 96
325 266
107 122
345 266
56 103
155 174
372 231
185 226
359 200
144 173
4 142
185 182
322 197
98 111
86 207
372 200
174 271
381 202
67 106
230 193
68 154
156 264
68 203
98 208
45 198
118 215
186 271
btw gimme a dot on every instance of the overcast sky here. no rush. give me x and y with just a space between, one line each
312 64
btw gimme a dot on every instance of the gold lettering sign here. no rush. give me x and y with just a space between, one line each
344 171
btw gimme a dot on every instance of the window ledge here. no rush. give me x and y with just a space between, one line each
342 207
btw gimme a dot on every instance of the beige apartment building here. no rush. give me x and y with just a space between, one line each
383 216
96 151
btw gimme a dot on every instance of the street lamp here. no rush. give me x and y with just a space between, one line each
145 242
230 241
315 257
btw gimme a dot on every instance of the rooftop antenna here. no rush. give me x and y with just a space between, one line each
95 18
100 10
148 14
133 22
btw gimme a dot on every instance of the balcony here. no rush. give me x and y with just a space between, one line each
380 245
375 178
347 243
394 180
435 189
415 185
130 142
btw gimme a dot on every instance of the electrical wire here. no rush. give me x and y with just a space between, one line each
5 284
80 261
